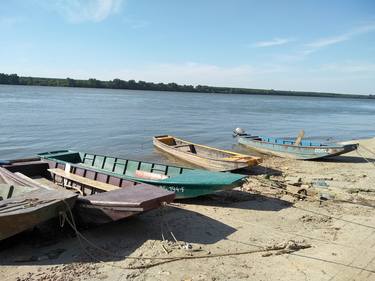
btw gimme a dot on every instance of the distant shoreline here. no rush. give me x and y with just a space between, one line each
14 79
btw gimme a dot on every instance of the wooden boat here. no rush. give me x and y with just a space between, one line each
101 200
298 149
204 156
25 203
185 182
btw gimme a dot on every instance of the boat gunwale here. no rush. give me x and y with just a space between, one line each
100 155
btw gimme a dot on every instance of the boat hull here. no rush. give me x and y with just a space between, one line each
15 223
296 152
186 190
26 204
211 160
185 182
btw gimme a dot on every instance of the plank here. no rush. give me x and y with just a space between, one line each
84 181
299 138
140 196
180 145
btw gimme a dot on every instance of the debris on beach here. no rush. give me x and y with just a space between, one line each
286 247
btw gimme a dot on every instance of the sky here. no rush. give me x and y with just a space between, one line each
320 45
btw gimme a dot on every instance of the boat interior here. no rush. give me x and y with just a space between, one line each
112 165
21 193
8 191
283 141
13 185
200 150
20 178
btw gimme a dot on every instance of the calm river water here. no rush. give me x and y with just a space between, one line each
122 122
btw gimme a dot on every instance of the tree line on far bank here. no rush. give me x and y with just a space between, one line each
14 79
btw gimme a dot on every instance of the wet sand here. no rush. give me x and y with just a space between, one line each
293 220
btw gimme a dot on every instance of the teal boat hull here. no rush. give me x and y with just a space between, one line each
307 150
185 182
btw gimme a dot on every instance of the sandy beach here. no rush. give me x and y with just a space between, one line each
292 220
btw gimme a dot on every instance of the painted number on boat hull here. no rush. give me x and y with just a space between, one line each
320 150
175 189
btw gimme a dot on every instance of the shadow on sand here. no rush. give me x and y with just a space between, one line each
349 159
240 200
122 238
47 246
259 170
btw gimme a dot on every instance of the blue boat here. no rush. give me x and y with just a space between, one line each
299 149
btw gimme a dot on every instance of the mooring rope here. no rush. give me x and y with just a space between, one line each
162 260
368 161
278 249
367 149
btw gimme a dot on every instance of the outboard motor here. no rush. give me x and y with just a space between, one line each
238 132
4 162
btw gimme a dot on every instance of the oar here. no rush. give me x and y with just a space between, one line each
299 138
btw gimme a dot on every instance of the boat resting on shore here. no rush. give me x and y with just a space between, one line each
99 201
299 149
25 203
204 156
185 182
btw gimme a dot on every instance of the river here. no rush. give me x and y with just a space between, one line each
122 122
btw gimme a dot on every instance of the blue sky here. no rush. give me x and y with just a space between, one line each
288 45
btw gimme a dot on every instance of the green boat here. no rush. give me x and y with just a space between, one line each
185 182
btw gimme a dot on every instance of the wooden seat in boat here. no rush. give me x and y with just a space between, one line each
81 180
191 147
180 145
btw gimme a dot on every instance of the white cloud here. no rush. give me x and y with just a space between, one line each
314 46
76 11
320 43
273 42
324 42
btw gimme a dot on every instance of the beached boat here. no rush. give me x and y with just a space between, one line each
204 156
296 149
185 182
101 198
25 203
